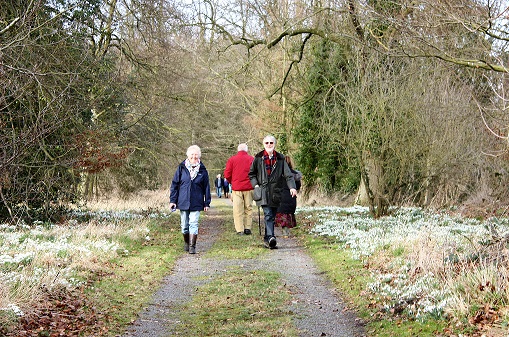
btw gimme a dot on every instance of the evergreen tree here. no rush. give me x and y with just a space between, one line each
321 128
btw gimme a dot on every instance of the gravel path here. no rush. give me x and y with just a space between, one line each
318 309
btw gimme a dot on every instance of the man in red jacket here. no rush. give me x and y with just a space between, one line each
236 172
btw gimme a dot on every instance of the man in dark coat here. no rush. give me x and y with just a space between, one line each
270 172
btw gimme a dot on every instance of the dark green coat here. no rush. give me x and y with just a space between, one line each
271 185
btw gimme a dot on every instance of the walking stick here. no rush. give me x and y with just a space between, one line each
259 222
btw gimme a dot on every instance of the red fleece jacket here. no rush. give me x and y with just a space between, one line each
237 169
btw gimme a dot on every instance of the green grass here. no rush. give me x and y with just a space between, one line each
231 245
239 303
402 328
130 281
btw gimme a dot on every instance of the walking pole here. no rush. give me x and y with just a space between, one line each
259 225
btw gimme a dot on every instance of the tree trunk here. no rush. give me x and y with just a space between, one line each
362 198
372 187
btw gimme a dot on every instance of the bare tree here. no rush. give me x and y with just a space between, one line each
41 104
382 35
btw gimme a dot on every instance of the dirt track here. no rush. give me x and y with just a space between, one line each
318 309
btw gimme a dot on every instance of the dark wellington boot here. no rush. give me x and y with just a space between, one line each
192 244
186 242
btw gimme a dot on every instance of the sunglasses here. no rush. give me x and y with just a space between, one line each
269 143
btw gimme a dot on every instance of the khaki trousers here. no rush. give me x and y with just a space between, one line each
242 210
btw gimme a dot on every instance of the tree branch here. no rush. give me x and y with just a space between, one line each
9 26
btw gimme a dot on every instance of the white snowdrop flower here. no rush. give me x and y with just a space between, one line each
105 246
363 236
16 258
14 308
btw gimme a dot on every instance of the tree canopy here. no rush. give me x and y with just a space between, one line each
402 101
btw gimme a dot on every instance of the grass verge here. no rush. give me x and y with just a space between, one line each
350 278
127 285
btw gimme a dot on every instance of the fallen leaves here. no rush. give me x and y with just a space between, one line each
60 313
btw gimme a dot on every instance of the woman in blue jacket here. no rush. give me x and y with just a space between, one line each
190 193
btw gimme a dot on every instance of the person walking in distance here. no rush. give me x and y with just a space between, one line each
190 193
226 188
269 172
236 172
218 183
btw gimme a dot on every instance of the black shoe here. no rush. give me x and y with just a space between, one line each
272 242
247 231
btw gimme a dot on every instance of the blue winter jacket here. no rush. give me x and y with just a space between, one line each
187 194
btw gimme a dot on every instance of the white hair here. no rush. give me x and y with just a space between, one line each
193 148
242 147
270 137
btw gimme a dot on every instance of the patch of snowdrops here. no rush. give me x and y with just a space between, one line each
423 262
45 255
